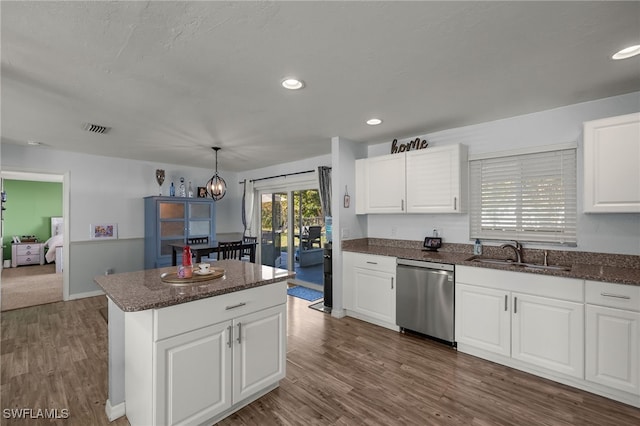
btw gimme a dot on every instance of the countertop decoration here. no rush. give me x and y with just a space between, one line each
141 290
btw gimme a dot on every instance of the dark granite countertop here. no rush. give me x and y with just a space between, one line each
141 290
621 269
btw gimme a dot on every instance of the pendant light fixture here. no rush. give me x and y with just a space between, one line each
216 187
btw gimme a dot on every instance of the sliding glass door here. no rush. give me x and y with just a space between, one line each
273 214
293 232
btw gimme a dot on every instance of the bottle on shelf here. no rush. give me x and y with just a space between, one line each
190 191
182 192
172 190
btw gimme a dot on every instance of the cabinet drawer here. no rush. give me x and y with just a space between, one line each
28 260
178 319
613 295
30 249
375 262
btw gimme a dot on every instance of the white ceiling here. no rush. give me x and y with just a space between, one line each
173 79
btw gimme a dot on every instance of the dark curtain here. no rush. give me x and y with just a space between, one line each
324 180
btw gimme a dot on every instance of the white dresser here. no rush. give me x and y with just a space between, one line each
27 254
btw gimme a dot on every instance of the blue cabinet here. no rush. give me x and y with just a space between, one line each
173 220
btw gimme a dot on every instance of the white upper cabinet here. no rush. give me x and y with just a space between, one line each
435 178
612 165
431 180
380 184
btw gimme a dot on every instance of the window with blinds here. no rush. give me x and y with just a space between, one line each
526 197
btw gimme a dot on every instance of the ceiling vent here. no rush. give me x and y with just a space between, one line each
95 128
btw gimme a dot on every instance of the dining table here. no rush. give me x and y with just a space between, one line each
201 250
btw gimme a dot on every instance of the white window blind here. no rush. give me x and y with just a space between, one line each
528 197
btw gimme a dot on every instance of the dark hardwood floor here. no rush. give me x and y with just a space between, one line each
339 372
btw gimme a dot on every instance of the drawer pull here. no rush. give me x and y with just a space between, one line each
372 263
235 306
618 296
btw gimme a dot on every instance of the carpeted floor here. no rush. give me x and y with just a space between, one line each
29 286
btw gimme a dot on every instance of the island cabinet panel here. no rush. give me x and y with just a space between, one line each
198 362
173 220
613 337
612 165
369 288
259 354
187 393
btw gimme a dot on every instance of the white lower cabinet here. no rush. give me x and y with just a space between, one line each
613 337
369 288
483 318
200 361
548 333
522 320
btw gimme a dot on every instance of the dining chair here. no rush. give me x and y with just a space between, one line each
230 250
313 237
247 251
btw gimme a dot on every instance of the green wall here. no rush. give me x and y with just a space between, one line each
30 206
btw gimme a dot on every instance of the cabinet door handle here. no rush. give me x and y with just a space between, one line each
230 342
619 296
515 305
391 283
506 297
235 306
401 205
455 203
372 263
240 333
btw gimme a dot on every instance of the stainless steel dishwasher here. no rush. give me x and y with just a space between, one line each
425 298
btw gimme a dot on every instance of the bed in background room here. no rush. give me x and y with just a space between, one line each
55 243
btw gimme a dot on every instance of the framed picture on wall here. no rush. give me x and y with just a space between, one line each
103 231
202 192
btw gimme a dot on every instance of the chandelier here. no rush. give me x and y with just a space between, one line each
216 187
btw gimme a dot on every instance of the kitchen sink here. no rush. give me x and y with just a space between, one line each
511 262
496 261
546 267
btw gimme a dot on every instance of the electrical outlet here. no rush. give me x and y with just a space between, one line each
344 233
394 231
109 271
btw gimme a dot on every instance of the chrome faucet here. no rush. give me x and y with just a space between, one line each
517 248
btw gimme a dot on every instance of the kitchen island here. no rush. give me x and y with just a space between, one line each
194 353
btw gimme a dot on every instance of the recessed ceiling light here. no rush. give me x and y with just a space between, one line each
292 84
374 121
627 52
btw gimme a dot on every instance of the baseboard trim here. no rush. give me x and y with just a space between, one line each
114 411
86 294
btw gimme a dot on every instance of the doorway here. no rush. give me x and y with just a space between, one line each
293 233
29 266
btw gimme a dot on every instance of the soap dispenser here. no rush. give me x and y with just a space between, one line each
477 247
